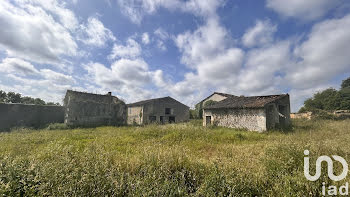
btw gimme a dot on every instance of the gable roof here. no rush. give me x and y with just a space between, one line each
240 102
218 93
140 103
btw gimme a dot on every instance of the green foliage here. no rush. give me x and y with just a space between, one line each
3 96
167 160
210 103
58 126
12 97
330 99
38 101
345 83
194 114
302 110
199 110
344 98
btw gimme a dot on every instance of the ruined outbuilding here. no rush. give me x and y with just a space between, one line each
86 109
255 113
159 110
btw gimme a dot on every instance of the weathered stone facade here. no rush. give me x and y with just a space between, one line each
259 113
22 115
250 119
216 96
85 109
160 110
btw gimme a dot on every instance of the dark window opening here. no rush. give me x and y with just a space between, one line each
171 119
152 119
161 119
167 111
208 120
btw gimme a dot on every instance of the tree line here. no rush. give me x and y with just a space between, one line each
329 99
12 97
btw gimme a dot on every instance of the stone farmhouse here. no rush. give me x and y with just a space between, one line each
255 113
158 110
86 109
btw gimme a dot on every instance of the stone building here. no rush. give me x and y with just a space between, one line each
216 97
255 113
86 109
159 110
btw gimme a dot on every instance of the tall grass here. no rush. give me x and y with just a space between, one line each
167 160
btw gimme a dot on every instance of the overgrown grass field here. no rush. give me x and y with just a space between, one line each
168 160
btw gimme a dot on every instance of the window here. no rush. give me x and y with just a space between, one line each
167 111
152 119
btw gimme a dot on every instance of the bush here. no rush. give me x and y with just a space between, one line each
58 126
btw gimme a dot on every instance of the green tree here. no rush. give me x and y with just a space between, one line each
345 83
344 98
3 96
330 99
38 101
199 110
27 100
13 97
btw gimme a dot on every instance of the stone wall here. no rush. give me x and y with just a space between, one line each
135 115
156 109
306 115
85 109
251 119
21 115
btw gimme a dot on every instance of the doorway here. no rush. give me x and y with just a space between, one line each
161 119
171 119
282 115
208 120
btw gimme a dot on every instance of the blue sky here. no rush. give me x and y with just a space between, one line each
141 49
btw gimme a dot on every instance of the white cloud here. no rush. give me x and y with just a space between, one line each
203 44
302 9
128 78
132 71
260 34
16 65
47 84
210 53
162 36
324 55
32 34
262 67
145 38
137 9
95 33
161 33
131 50
56 77
161 45
57 8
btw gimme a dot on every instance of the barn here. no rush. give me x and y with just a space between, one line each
158 110
255 113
